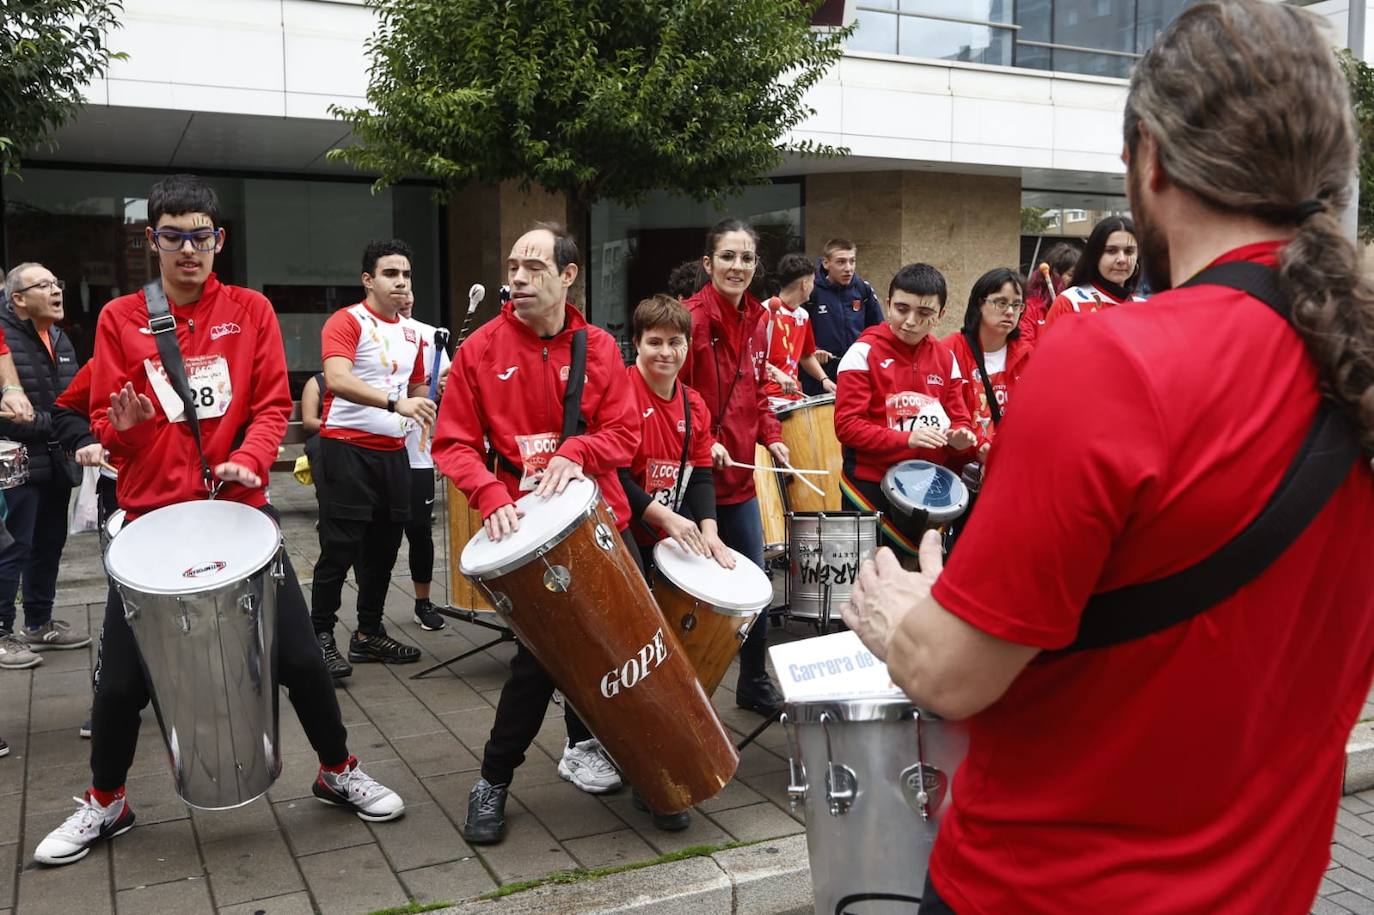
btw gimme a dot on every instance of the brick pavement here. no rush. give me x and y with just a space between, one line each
287 854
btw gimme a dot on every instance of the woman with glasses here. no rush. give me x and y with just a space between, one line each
1106 275
725 365
991 349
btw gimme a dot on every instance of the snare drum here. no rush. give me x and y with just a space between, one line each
769 491
463 525
199 584
825 550
808 431
14 465
875 778
566 584
925 495
710 607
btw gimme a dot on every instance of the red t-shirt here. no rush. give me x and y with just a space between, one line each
655 464
790 340
4 347
1199 769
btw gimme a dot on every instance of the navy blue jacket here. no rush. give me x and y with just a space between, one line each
839 315
53 435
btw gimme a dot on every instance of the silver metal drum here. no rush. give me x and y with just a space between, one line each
874 777
926 493
14 464
199 582
825 550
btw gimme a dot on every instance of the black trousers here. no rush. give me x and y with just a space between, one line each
37 520
520 710
364 497
121 691
931 903
419 529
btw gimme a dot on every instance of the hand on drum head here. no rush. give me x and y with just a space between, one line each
926 437
557 475
780 454
720 456
237 473
503 522
686 534
961 439
718 550
128 409
829 386
885 593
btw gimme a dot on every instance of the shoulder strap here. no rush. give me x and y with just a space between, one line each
573 423
686 445
993 406
1321 465
164 329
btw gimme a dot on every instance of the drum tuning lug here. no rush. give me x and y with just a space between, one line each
604 537
689 622
247 605
743 632
557 579
841 783
797 787
183 616
499 600
279 568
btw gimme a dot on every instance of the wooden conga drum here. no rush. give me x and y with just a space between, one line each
463 524
769 491
566 584
711 608
808 431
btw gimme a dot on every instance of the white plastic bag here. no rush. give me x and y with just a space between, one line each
86 508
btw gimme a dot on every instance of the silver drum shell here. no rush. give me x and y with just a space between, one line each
825 551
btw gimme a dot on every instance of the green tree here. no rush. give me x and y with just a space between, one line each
1034 221
1361 78
50 50
595 98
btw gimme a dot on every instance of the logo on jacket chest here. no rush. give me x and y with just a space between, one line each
563 374
224 330
857 304
935 379
822 309
410 335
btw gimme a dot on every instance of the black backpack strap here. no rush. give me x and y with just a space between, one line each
164 330
993 406
686 446
573 423
1316 472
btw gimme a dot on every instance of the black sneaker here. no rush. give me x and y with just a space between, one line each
380 647
758 694
4 747
486 819
333 661
428 618
665 822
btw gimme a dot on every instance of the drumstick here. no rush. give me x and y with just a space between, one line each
106 465
734 463
1049 283
807 483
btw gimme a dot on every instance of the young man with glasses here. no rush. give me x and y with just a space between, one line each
230 340
37 509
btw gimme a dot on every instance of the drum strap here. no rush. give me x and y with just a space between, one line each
976 345
573 421
164 330
1321 465
686 445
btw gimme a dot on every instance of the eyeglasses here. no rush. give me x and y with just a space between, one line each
747 259
45 285
200 239
1005 304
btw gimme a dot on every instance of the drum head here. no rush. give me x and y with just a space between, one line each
814 400
913 486
546 523
191 547
745 587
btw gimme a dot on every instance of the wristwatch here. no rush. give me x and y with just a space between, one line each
391 403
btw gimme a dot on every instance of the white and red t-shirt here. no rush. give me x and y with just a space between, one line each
655 465
1004 371
791 339
886 388
1084 300
420 458
386 354
1197 769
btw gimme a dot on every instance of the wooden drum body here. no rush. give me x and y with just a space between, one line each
463 524
710 608
808 431
768 488
568 587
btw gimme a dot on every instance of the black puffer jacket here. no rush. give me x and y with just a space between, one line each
50 437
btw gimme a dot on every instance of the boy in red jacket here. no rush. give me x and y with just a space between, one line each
232 347
900 395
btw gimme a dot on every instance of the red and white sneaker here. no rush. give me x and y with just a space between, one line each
355 789
72 840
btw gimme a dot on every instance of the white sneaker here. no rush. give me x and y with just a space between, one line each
355 789
72 840
15 655
588 767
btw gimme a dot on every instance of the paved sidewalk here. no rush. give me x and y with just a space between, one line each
288 854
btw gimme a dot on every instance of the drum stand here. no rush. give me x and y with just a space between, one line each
462 614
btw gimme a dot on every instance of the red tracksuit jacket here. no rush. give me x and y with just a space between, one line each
1018 352
506 387
157 458
881 385
725 365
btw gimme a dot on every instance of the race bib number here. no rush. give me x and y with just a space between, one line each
208 378
661 481
535 451
906 410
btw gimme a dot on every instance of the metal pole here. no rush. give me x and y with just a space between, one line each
1354 40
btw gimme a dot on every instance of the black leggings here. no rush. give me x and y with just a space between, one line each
520 710
121 692
419 531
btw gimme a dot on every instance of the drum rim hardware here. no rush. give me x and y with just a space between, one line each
741 608
841 782
937 514
123 581
813 400
798 786
593 502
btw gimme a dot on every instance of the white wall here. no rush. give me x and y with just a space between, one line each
1337 14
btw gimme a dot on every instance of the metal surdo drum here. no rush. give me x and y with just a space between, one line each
14 465
199 583
710 607
874 777
808 431
924 495
568 587
768 489
825 550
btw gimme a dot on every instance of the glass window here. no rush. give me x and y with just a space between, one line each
299 242
632 251
933 38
